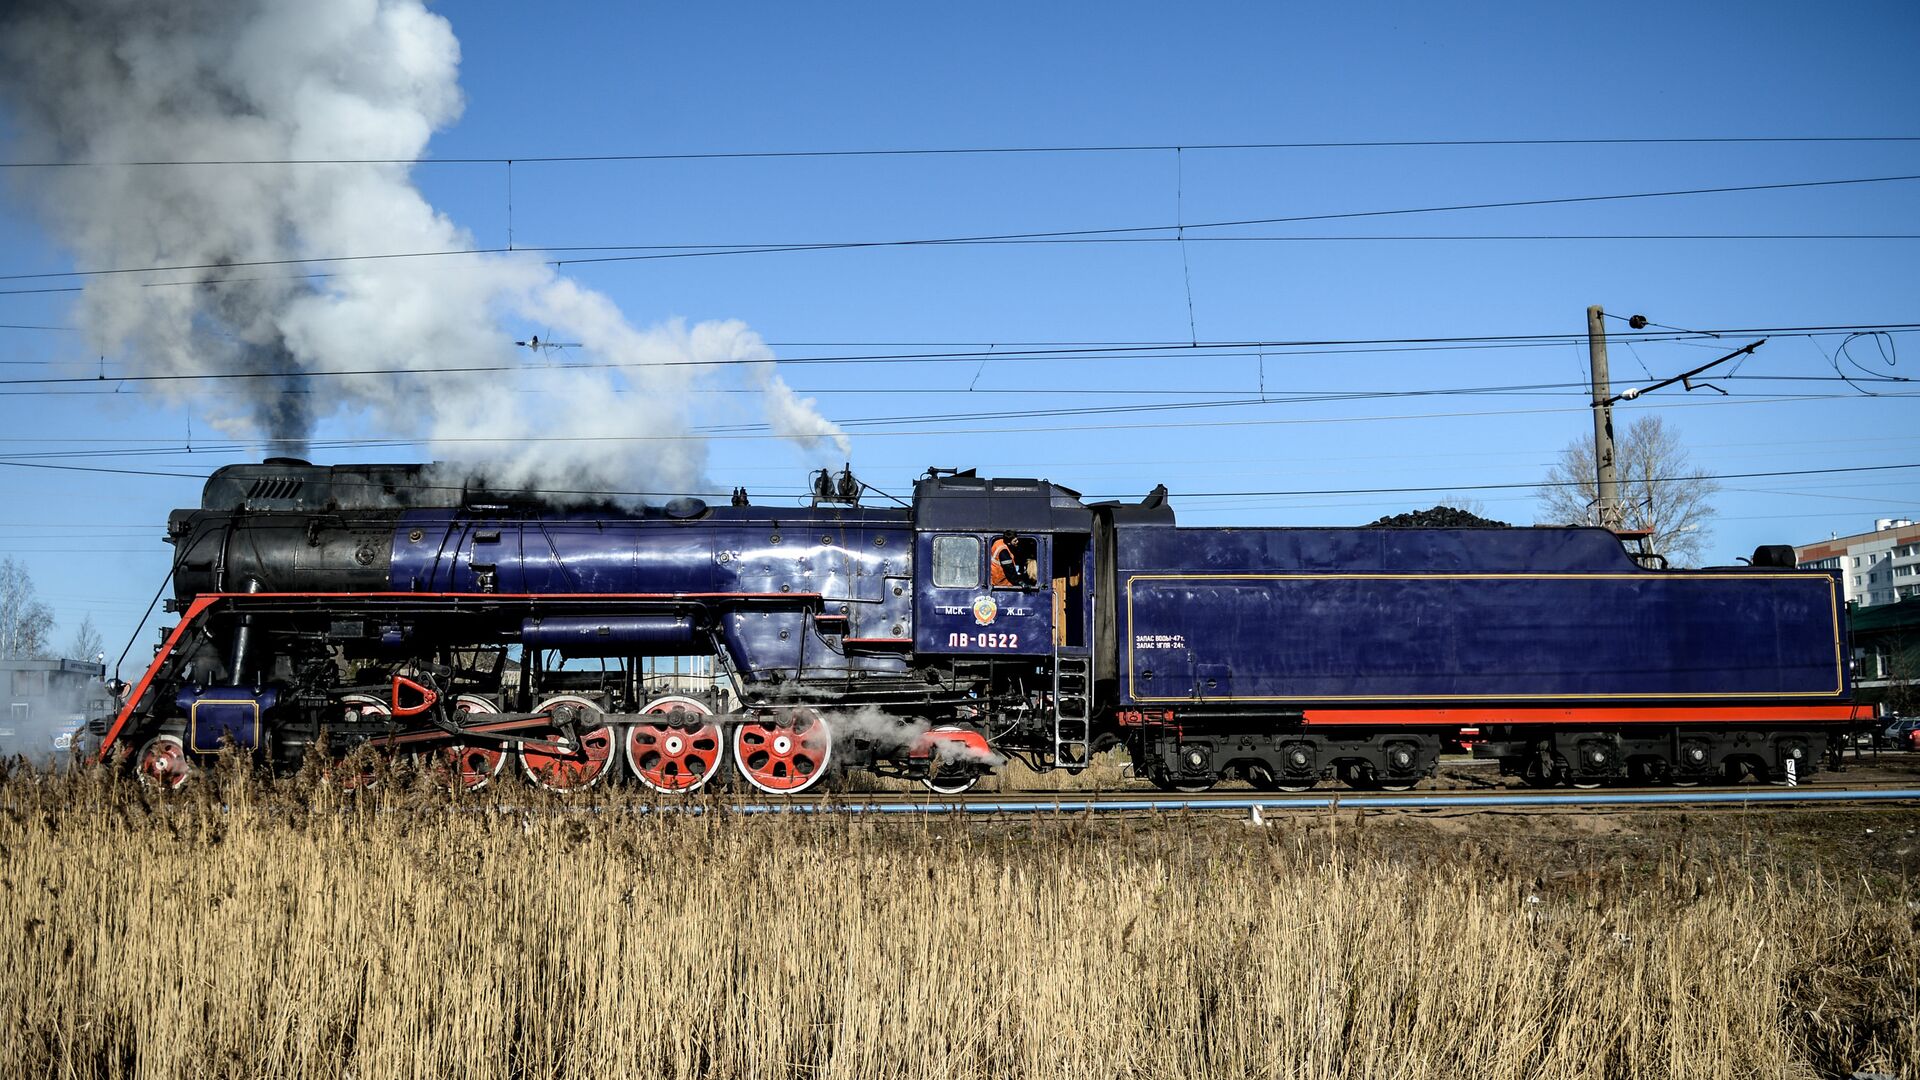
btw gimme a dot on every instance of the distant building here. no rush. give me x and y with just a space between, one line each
43 701
1886 657
1879 567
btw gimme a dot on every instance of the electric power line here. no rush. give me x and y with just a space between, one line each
952 240
1177 350
1521 485
1352 144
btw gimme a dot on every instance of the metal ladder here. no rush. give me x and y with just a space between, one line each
1072 707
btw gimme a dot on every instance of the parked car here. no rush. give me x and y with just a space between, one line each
1902 734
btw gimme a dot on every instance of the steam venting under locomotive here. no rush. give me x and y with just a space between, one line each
375 610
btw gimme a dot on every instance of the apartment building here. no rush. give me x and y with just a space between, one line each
1878 567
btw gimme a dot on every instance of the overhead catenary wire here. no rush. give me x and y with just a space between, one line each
1087 351
1115 148
1176 350
691 250
609 493
1177 228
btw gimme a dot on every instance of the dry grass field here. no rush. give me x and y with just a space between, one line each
288 930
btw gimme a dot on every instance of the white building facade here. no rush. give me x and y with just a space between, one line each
1879 567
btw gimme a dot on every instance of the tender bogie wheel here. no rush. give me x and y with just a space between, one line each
1401 759
1366 778
783 756
164 763
1181 785
555 766
1359 777
1536 775
1264 779
679 749
467 766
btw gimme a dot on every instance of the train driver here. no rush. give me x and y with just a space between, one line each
1004 570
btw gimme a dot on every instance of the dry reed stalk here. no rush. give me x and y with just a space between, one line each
294 930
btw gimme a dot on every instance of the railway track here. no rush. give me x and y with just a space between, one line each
1248 802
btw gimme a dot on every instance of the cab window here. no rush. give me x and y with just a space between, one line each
1021 571
956 562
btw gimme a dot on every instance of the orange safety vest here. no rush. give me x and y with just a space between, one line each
1002 570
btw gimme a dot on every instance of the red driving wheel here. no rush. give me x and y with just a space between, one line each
679 749
557 766
468 766
784 754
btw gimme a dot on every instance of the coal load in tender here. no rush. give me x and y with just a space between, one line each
1440 517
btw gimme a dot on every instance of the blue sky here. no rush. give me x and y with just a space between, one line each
708 78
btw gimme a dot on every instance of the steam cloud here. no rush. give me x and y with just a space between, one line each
293 80
42 705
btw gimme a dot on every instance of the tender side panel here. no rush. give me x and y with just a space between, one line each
1481 636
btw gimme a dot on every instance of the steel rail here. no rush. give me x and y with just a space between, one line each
1329 802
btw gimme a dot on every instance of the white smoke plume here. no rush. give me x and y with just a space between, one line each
296 80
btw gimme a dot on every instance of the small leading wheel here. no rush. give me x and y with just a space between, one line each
955 779
784 756
163 763
555 763
467 766
679 749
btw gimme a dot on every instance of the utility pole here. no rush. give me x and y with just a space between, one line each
1607 489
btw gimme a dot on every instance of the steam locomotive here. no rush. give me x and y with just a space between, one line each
393 610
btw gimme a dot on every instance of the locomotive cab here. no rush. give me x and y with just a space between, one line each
1034 601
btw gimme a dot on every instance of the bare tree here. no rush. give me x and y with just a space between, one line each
87 643
1660 489
25 622
1465 503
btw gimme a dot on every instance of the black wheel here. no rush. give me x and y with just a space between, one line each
1647 772
1181 786
1263 779
1364 778
1536 775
